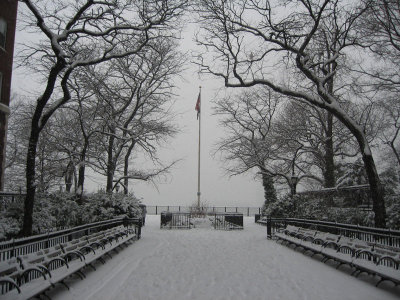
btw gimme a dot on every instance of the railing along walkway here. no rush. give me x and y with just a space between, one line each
16 247
31 275
379 236
246 211
374 251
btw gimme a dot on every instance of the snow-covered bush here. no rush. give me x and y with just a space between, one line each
393 212
11 219
9 227
199 211
302 206
53 211
103 206
283 208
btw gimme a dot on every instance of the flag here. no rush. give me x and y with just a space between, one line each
197 108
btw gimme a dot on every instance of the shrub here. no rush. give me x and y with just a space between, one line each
102 206
302 206
53 211
393 212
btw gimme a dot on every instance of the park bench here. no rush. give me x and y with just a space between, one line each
31 275
363 257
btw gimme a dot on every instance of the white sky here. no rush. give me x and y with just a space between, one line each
180 188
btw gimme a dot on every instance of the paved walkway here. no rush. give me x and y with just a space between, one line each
203 263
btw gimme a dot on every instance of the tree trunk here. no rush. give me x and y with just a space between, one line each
110 165
376 187
30 183
396 153
36 127
329 167
329 172
81 173
377 191
269 189
69 175
126 167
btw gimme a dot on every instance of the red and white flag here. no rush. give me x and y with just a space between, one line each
197 108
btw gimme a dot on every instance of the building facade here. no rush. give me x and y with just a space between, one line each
8 20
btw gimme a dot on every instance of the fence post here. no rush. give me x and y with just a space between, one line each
225 208
248 211
156 210
13 249
269 223
139 234
47 242
236 208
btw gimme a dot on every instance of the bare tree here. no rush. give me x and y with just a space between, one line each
249 142
277 44
381 36
133 97
84 33
323 139
51 157
18 127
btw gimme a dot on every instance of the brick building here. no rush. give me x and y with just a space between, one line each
8 18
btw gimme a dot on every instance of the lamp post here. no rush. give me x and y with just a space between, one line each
294 180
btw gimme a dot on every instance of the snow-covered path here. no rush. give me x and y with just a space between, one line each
206 264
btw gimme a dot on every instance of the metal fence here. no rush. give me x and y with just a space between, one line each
211 210
179 220
27 245
228 221
369 234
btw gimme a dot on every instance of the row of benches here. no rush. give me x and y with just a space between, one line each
31 275
363 257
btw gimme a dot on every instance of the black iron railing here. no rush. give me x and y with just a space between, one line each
209 210
35 243
228 221
369 234
176 220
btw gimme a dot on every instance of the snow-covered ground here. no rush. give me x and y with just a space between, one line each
203 263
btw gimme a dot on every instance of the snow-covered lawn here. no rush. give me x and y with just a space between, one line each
203 263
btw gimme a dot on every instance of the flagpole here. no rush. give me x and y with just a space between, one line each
198 170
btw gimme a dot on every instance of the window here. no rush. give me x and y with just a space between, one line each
3 31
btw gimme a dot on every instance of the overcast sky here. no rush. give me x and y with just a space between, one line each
180 186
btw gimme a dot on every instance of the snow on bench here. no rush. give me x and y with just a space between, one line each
364 257
31 275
